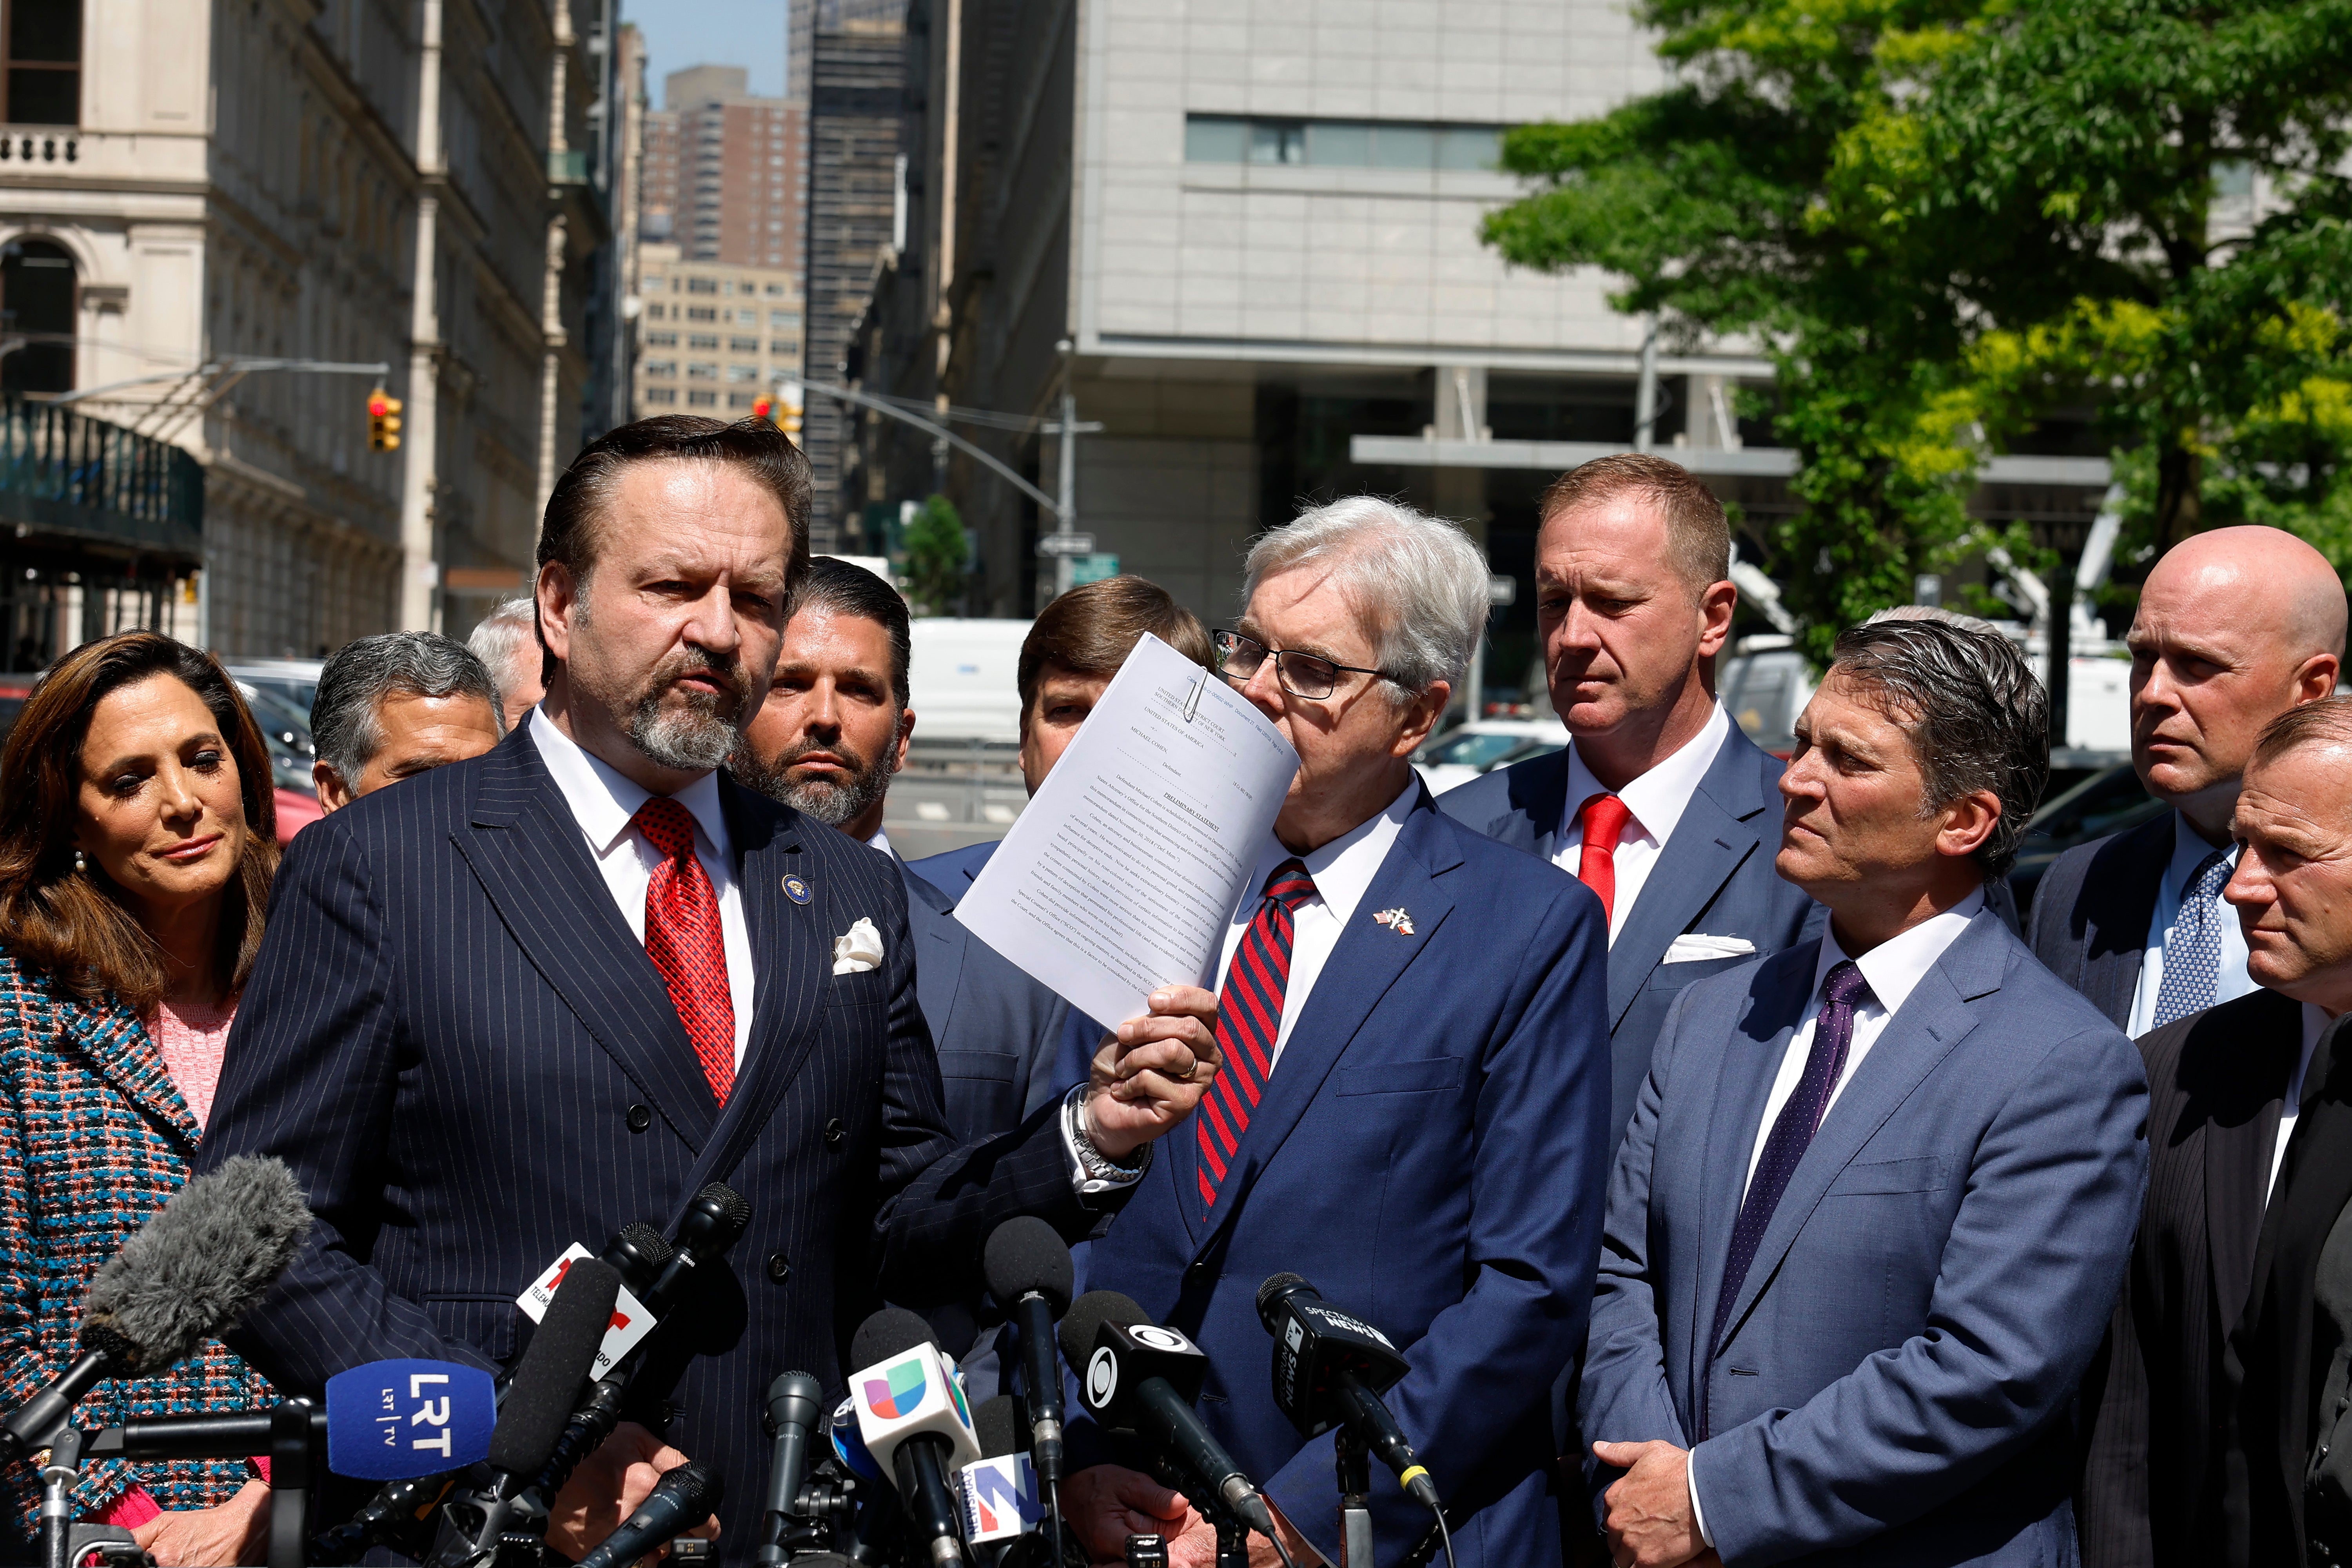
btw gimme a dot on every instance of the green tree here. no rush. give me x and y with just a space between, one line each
1943 219
935 551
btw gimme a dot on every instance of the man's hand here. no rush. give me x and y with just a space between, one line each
1105 1504
609 1486
1650 1522
219 1537
1197 1547
1153 1070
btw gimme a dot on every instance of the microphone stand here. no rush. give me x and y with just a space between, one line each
58 1479
1353 1461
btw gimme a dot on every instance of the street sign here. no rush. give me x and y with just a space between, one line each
1052 544
1092 568
1501 590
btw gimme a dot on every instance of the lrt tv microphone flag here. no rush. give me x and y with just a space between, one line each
632 1320
395 1420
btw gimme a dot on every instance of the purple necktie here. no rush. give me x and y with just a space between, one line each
1843 990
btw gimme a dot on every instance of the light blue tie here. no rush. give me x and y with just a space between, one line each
2192 956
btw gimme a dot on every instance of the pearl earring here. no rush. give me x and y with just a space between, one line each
80 863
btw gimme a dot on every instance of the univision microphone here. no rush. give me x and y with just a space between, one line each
187 1275
1028 1270
1330 1369
911 1414
1138 1377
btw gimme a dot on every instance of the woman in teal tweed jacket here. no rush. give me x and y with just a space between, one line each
135 857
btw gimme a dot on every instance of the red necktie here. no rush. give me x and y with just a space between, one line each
1249 1022
684 939
1604 817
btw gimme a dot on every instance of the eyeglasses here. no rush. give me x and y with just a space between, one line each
1306 675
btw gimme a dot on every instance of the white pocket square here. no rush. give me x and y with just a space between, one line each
858 949
1690 948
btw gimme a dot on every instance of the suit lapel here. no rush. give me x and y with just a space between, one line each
940 940
2118 939
1537 795
528 852
1776 1006
126 1055
1934 1019
2259 1062
1714 838
1367 962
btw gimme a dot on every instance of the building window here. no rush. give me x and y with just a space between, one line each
664 367
740 400
702 285
667 396
702 340
37 296
742 372
747 318
698 370
653 313
743 345
702 400
783 318
44 74
784 346
661 340
1340 143
777 289
701 314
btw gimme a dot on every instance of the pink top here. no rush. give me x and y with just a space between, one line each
193 1040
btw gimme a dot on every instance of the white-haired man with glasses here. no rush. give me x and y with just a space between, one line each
1414 1108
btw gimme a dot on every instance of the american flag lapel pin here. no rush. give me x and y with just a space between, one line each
1396 920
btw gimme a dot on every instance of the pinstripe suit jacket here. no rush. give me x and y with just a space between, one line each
453 1038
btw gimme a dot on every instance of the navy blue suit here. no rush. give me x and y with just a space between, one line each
1894 1382
470 1063
1714 875
1430 1151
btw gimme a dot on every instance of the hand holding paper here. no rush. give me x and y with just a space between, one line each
1152 1072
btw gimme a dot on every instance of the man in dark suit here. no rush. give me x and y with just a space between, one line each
1868 1222
1659 804
1415 1117
2234 627
524 1000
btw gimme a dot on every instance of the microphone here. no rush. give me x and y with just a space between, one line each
711 1224
539 1403
1330 1370
187 1275
793 1411
849 1444
911 1412
682 1499
1028 1268
999 1493
1138 1377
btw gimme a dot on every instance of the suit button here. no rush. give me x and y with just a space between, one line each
778 1269
834 1131
1196 1274
640 1118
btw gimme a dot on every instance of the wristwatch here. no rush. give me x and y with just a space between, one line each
1098 1170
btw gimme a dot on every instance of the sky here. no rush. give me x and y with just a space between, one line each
682 33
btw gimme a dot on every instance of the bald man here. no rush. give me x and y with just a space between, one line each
2234 628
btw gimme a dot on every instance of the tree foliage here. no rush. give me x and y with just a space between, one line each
936 553
1945 220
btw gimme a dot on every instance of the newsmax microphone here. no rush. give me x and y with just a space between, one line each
911 1414
1138 1377
1028 1268
189 1273
681 1501
794 1409
1330 1369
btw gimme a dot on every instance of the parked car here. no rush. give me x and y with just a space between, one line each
13 689
1464 752
2112 800
295 681
1764 685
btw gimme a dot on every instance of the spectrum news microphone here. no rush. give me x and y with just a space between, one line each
1138 1377
477 1524
187 1275
680 1502
911 1414
1330 1369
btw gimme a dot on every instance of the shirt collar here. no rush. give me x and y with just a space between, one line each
1343 870
1894 967
603 799
2189 852
881 840
1657 797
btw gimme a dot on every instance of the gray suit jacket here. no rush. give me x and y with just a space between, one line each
2091 910
1894 1382
1714 875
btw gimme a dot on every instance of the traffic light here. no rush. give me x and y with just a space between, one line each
764 408
788 409
383 420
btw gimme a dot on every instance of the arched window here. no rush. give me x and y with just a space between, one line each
36 302
43 79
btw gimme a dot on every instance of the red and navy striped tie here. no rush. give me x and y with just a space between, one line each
1249 1022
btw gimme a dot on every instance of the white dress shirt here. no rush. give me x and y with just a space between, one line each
1656 799
1343 870
1892 969
602 800
2231 980
2314 1024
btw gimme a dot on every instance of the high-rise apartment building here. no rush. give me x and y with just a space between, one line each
711 338
722 170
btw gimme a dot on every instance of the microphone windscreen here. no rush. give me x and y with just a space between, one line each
198 1264
1276 1285
650 1244
1024 1255
996 1423
1089 1312
715 1221
547 1379
893 1330
696 1487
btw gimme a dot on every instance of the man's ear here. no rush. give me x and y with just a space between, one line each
906 735
557 595
1968 823
334 793
1421 718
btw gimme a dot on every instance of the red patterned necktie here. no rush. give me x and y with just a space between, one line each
1604 817
1249 1022
686 942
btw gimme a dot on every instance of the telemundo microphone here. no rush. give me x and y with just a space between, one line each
188 1274
681 1501
1330 1369
912 1414
1028 1270
794 1409
1137 1377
